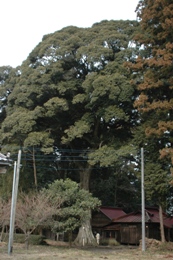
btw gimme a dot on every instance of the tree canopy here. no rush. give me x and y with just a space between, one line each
72 99
154 67
73 94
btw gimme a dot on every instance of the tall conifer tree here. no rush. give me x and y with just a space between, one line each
154 69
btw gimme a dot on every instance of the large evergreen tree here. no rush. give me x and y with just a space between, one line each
74 94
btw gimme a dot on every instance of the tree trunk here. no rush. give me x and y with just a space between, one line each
34 167
85 179
85 235
27 235
70 238
2 232
162 233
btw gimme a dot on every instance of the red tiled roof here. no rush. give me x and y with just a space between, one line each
151 216
111 212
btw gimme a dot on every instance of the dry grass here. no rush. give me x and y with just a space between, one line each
64 252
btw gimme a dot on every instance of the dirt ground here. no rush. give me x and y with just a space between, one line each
65 252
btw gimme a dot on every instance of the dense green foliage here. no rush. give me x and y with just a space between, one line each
75 205
70 105
77 112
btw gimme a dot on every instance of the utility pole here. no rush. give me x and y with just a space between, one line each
13 201
143 199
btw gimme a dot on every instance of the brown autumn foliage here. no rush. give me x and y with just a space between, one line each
154 68
34 210
4 215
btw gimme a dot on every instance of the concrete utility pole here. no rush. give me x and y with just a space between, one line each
13 202
143 199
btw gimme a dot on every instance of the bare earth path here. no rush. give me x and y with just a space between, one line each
74 253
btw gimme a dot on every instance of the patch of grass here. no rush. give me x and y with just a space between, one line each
167 246
109 242
82 253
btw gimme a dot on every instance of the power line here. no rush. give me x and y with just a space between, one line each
64 169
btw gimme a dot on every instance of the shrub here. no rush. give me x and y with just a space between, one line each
20 238
109 242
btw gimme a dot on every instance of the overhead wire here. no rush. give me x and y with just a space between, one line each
56 157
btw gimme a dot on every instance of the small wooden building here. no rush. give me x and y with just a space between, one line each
127 229
103 217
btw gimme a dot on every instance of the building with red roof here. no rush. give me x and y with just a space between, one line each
127 229
104 216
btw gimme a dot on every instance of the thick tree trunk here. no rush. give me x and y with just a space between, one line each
85 235
162 233
85 179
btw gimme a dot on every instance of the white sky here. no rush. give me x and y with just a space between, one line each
24 22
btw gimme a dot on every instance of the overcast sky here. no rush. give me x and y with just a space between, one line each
24 22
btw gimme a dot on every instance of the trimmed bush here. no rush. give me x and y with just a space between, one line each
20 238
109 242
